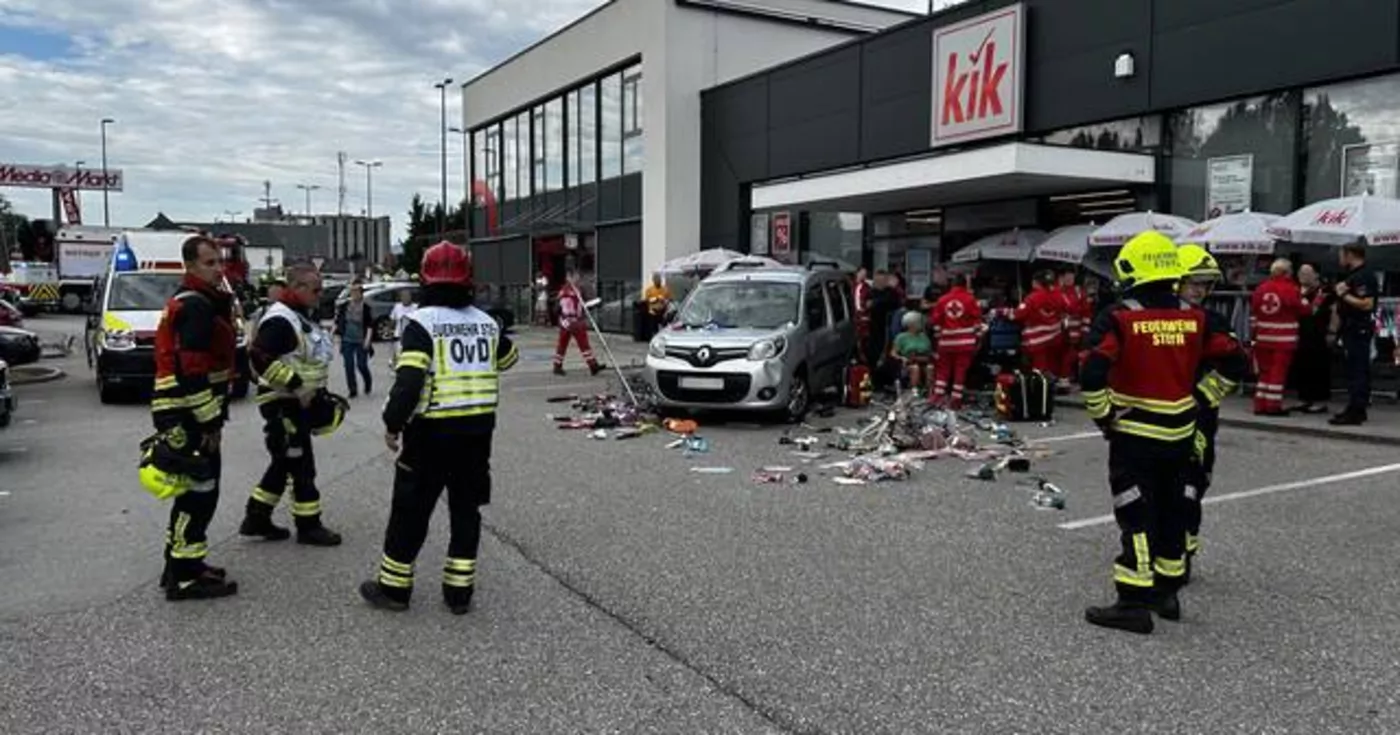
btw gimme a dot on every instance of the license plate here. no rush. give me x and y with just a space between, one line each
702 383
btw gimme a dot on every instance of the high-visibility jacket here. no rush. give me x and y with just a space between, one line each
957 321
194 355
1042 319
1274 311
463 369
297 366
1143 363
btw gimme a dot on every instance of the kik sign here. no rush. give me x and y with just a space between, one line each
979 77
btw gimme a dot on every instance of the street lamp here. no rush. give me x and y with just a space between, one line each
308 188
78 186
442 215
370 166
106 215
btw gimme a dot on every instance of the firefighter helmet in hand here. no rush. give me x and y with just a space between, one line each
170 467
1149 257
448 263
1197 262
326 412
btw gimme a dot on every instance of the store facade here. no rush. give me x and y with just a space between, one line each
585 148
894 150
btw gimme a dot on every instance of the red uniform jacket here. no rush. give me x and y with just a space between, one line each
195 345
570 307
1274 311
1073 300
1042 317
957 321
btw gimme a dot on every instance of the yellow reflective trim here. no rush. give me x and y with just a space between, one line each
459 580
309 508
458 412
389 579
265 497
220 376
207 411
1152 404
460 565
414 359
397 567
1169 567
508 361
1193 543
1097 410
1129 577
1094 394
166 383
1159 433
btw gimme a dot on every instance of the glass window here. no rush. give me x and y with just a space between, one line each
838 302
537 150
1235 156
1353 139
571 171
588 134
554 144
1134 134
522 155
835 236
511 160
632 150
742 305
815 304
610 101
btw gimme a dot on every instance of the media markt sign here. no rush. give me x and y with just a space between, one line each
59 177
979 77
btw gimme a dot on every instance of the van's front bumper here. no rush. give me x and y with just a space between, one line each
732 384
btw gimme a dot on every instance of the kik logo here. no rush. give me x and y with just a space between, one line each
974 92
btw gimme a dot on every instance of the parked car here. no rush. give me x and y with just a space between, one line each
758 338
381 298
7 396
10 315
18 346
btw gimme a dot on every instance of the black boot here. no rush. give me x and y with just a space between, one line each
259 523
167 576
1167 605
204 587
458 599
1121 615
375 594
559 370
1186 577
596 368
317 535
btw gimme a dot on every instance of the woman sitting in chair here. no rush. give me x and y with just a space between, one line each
913 350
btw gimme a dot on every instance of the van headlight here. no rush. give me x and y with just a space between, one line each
657 348
767 349
119 339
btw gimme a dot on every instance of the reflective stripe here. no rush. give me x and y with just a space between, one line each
166 383
310 360
1276 338
458 580
182 549
1293 326
306 509
265 497
463 369
220 376
1154 405
398 581
1149 431
511 357
1193 543
460 565
963 330
396 567
413 359
1127 497
1169 567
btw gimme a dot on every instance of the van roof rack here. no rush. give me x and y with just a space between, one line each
814 263
741 263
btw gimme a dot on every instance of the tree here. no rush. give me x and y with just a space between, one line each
14 230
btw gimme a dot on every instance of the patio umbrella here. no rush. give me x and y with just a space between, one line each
1125 227
1234 234
1016 246
699 261
1066 245
1368 219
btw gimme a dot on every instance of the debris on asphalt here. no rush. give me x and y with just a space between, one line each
712 470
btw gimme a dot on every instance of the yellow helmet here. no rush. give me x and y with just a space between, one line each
1149 257
1197 262
169 468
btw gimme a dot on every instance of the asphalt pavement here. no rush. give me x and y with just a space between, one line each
622 592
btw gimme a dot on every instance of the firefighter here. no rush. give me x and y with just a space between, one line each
573 325
1138 376
1042 315
1072 296
1275 309
1202 274
442 412
291 356
957 322
194 355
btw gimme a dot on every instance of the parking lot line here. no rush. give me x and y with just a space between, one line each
1065 438
1267 490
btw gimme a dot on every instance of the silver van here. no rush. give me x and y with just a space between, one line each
756 337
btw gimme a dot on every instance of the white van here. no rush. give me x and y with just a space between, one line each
144 272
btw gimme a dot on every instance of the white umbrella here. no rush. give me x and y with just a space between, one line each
1373 220
1066 245
699 261
1234 234
1013 245
1125 227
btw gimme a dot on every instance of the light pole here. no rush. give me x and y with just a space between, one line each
78 186
106 214
370 166
308 188
442 215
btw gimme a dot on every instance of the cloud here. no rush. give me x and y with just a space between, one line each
213 98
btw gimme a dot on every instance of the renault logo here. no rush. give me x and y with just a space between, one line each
703 354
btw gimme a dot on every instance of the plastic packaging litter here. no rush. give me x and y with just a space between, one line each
1048 501
695 445
712 470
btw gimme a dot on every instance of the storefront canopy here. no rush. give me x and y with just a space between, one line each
993 173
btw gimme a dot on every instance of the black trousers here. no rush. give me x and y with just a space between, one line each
187 535
1147 478
1312 371
433 461
291 462
1199 473
1357 344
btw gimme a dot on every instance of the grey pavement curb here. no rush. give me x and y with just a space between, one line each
32 374
1279 428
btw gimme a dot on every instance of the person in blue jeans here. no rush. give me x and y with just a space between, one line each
354 324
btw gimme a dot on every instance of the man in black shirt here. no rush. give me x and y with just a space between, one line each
883 303
1356 308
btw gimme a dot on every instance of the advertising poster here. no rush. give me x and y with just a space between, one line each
1371 169
782 236
758 234
1229 185
918 269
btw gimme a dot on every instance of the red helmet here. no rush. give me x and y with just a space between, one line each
446 262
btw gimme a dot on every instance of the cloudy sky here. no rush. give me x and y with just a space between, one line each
212 98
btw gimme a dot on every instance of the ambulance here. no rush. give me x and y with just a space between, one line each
129 298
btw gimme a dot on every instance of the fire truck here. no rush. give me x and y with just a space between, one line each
80 255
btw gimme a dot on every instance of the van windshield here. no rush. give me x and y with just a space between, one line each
742 305
142 291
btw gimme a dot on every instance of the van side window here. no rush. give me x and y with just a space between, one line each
839 313
847 297
816 308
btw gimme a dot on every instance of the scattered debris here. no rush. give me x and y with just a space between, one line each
712 470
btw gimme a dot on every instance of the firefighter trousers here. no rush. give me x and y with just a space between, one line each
433 461
291 463
1147 478
1198 476
1272 366
950 374
186 537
